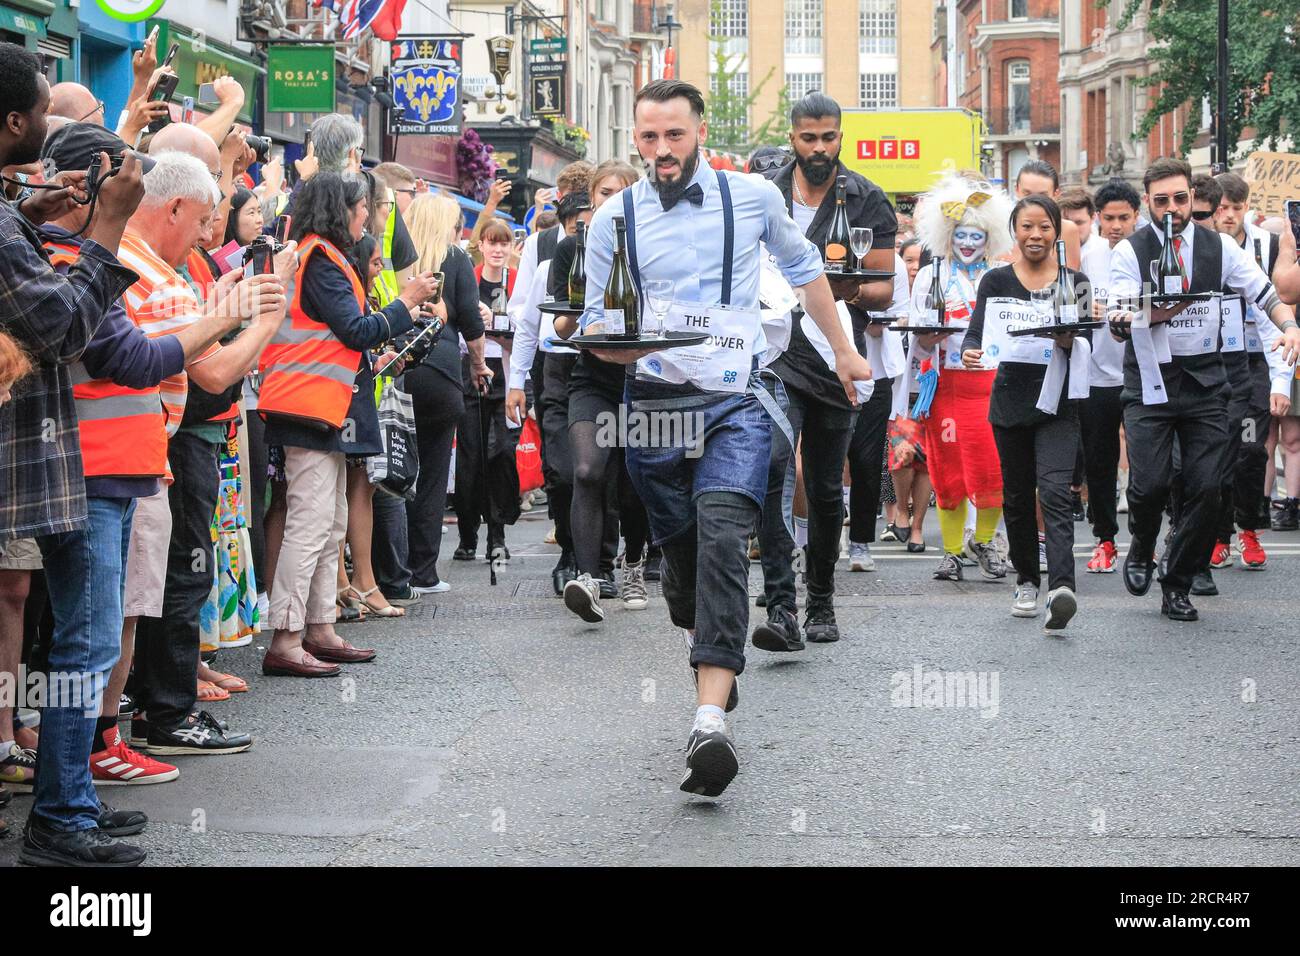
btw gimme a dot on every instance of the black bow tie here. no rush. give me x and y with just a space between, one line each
693 194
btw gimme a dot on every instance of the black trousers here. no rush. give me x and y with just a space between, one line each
492 497
557 461
1249 416
1100 418
438 403
1198 418
826 434
866 453
1037 466
390 548
165 678
706 578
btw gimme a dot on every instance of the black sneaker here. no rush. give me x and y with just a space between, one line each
1287 518
819 623
1076 507
464 553
125 707
93 847
653 564
201 733
120 823
949 568
780 633
608 586
711 762
403 597
500 553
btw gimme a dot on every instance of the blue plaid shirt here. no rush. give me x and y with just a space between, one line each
53 317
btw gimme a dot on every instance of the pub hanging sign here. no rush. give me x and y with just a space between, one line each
426 74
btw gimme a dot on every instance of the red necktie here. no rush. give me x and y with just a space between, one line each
1178 251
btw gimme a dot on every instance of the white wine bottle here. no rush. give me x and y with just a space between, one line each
622 310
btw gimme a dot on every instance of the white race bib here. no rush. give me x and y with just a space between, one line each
1253 341
1234 334
721 364
1195 330
1005 315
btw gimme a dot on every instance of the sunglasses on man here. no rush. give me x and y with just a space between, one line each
1200 215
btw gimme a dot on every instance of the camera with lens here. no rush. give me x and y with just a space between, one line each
94 169
261 145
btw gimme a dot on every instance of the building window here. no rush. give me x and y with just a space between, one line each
799 85
803 27
878 91
877 26
1019 9
1018 94
730 18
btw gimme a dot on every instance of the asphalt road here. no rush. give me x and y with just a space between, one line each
496 728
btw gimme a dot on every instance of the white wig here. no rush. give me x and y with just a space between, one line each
957 200
179 176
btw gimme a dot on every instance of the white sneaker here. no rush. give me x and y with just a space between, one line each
860 558
1061 605
1026 601
582 597
1001 545
442 587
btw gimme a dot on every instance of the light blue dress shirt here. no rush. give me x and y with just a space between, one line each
685 243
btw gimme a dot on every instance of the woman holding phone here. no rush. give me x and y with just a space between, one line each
435 384
1032 407
318 401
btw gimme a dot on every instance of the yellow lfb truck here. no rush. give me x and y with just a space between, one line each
902 151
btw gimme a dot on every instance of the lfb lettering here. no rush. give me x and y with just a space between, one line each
889 148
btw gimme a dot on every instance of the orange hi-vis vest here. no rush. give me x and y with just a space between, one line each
307 372
196 264
122 430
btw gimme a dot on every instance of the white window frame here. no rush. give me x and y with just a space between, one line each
878 26
1011 8
878 91
801 84
803 27
732 19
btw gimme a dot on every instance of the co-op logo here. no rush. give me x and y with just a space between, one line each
130 11
889 148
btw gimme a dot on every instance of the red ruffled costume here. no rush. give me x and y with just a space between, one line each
959 449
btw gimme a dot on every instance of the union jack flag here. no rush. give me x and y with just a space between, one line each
355 15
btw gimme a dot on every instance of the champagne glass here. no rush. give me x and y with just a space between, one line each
1042 301
860 241
659 296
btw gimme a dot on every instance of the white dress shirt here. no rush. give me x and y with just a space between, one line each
1107 354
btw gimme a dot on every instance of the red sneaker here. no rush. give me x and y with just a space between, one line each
1252 553
119 765
1103 559
1221 557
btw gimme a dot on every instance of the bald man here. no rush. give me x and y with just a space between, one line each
75 102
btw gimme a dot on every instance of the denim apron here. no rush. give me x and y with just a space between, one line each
735 428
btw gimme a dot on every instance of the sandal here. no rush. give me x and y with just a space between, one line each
387 610
210 693
229 683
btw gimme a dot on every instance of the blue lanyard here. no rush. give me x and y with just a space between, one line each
728 236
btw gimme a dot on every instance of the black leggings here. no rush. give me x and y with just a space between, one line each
600 477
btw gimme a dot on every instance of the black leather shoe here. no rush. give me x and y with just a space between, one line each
780 633
120 823
608 586
1138 568
653 561
1175 606
563 572
1203 584
93 847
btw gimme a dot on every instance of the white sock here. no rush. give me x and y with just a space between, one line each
800 532
704 712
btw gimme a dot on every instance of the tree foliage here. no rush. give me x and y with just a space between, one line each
1263 64
729 111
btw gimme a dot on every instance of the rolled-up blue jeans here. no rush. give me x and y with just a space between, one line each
84 576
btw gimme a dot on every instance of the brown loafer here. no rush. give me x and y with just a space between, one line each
345 654
273 665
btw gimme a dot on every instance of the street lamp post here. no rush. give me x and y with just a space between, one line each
1221 113
669 23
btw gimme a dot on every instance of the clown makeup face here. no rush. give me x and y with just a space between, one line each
968 244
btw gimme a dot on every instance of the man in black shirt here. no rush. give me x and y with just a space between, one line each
818 408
